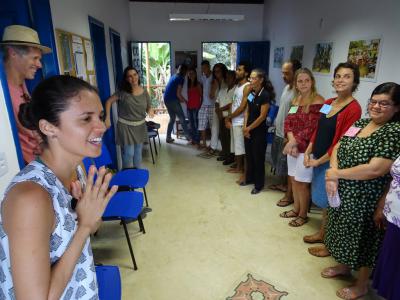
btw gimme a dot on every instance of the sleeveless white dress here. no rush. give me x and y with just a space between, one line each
83 283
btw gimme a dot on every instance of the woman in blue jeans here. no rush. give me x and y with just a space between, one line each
133 104
195 94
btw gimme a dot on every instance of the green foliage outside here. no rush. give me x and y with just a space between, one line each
159 70
220 53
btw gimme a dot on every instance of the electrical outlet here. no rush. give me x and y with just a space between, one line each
3 164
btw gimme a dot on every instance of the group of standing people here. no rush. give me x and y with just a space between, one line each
234 106
344 165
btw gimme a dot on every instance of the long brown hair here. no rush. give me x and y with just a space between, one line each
313 94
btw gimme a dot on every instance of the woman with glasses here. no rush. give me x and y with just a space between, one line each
337 115
357 178
259 96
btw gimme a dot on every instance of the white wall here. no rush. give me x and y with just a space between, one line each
150 22
72 16
293 22
7 145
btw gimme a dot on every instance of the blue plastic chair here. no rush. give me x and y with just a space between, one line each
109 282
125 207
131 178
272 113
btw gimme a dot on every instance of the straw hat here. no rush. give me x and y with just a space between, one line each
22 36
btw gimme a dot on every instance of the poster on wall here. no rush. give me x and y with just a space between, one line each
297 53
279 53
136 55
365 54
188 58
66 62
322 58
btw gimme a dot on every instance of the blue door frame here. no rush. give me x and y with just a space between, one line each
97 34
35 14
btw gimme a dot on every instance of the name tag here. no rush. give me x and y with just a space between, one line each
293 110
250 97
352 131
325 109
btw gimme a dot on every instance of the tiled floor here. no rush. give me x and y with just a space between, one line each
206 233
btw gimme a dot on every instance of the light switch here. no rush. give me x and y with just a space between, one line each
3 164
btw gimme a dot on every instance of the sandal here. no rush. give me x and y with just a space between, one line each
311 239
289 214
299 221
278 187
284 202
349 293
337 271
319 251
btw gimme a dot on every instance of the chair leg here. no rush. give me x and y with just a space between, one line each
155 145
151 151
141 224
129 244
159 141
145 197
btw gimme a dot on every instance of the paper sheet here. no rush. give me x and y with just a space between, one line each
89 56
80 65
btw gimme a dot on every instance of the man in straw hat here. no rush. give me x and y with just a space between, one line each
22 54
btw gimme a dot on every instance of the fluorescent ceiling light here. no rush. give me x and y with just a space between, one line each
205 17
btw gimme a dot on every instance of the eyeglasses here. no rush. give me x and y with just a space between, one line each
381 104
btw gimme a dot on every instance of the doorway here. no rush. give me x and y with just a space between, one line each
153 60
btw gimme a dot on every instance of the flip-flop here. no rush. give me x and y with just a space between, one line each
283 203
348 293
331 272
277 187
289 214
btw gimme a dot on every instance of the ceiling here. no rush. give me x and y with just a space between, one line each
206 1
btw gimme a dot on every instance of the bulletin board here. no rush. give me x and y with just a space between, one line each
76 56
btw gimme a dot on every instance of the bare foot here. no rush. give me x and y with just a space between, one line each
241 179
352 292
339 270
314 238
233 171
319 251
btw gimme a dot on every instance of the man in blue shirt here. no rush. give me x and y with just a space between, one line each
173 98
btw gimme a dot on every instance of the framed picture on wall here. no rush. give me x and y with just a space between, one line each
365 53
188 58
322 60
297 53
279 54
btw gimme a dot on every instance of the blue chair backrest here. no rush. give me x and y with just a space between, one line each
103 160
272 113
109 282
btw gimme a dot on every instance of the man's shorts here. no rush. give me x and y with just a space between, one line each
238 140
206 113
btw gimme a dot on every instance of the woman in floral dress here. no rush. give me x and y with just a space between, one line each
358 175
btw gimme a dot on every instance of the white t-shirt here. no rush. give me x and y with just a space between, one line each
284 105
224 98
237 99
206 81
